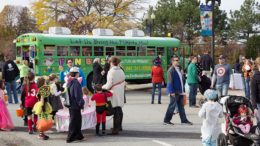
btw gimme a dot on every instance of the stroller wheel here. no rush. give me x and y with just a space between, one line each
222 140
201 102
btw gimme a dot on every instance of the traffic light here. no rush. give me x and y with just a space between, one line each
170 35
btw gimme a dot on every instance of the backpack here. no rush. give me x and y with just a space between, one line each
66 97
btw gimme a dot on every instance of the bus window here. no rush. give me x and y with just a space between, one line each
160 51
150 51
74 50
62 50
110 51
49 50
86 51
131 51
141 51
98 51
120 50
19 53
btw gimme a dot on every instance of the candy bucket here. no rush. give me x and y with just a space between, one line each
20 112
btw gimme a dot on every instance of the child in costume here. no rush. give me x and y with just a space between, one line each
100 99
247 69
210 113
22 101
76 105
85 96
6 122
243 122
29 96
42 106
54 98
68 78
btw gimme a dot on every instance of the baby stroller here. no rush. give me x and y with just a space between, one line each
231 133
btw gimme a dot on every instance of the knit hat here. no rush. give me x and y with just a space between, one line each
157 61
210 94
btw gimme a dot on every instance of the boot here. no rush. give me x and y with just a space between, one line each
115 127
25 121
120 122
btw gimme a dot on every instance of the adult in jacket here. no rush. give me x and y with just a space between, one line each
245 81
116 84
175 88
63 74
105 71
23 72
237 66
157 78
9 72
97 69
192 81
207 62
255 90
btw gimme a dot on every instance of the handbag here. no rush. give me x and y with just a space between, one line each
109 107
44 124
66 98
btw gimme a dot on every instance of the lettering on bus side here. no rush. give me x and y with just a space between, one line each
110 42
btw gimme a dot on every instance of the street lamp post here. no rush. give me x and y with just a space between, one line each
151 26
191 48
213 30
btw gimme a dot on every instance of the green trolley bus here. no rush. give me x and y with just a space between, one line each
48 51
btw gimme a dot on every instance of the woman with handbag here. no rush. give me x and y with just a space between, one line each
116 84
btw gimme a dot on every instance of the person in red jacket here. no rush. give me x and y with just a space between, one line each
157 78
29 94
100 99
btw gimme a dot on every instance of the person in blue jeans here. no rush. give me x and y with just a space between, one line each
175 88
9 72
245 81
224 75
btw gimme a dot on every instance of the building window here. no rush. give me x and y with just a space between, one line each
86 51
62 50
74 50
19 53
150 51
131 51
98 51
49 50
120 51
141 51
110 51
160 51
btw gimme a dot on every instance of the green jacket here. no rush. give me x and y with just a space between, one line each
23 70
192 74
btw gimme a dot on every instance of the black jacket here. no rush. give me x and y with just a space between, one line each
106 69
76 95
255 89
97 77
206 62
204 84
10 71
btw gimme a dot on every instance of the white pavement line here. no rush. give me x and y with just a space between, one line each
162 143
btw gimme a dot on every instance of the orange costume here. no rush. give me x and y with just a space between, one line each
247 72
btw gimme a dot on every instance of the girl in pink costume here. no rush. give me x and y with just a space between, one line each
6 122
243 122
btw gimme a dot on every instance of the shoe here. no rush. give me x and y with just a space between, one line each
176 114
97 135
115 130
34 128
49 131
194 106
30 132
104 135
5 129
46 136
159 102
152 102
168 123
187 123
42 137
83 139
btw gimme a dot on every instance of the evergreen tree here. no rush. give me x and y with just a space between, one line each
253 46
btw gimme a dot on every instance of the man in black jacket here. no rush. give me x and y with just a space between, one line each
207 62
9 73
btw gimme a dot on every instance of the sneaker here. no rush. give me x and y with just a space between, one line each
49 131
5 129
34 128
104 135
30 132
97 135
152 102
168 123
83 139
176 114
43 137
159 102
187 123
46 136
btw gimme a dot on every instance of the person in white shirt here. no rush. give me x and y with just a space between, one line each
210 113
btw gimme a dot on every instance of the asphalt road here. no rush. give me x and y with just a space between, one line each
142 125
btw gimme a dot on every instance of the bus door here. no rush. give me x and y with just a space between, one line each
25 53
32 54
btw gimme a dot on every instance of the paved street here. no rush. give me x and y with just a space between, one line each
142 124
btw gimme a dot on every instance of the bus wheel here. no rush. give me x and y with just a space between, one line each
90 83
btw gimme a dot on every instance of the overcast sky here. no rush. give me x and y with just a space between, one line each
226 5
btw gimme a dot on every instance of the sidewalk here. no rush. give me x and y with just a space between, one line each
149 88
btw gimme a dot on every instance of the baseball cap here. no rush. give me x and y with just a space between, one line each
210 94
222 57
74 69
